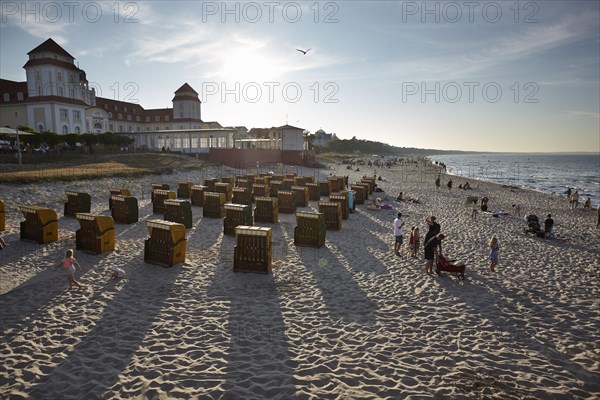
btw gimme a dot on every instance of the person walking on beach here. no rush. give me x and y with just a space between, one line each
398 223
548 225
433 248
495 247
437 182
474 210
69 263
575 199
449 184
416 241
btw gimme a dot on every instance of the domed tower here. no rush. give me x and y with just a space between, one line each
186 104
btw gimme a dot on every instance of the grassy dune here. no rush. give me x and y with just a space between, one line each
39 168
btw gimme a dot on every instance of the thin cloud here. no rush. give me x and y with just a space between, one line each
224 55
455 63
582 114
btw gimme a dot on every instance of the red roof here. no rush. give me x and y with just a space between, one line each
12 88
50 46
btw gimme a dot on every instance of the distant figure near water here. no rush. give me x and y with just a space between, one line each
495 247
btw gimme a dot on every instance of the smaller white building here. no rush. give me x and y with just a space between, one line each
292 138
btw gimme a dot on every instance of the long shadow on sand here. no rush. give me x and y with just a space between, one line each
478 297
109 346
344 298
42 290
258 358
372 263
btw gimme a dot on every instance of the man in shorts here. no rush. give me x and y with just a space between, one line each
398 223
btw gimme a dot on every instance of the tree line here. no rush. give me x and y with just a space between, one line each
52 139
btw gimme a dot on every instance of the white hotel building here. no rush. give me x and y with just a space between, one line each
56 97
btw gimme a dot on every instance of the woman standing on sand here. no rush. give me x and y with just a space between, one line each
495 247
474 210
433 249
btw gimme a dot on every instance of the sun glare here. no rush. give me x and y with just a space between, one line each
250 65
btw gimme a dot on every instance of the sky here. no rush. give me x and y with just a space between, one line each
514 76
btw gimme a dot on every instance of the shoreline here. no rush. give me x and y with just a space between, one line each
589 188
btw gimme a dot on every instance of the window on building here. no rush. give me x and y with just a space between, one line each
129 118
157 118
77 130
138 129
72 93
106 106
120 116
147 119
111 128
39 90
166 118
120 128
130 128
6 96
76 115
98 125
137 118
60 91
109 115
157 128
147 128
64 113
65 129
60 76
116 108
20 96
71 78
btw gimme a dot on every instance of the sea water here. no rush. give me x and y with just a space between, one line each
550 173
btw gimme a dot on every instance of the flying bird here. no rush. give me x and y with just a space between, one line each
303 51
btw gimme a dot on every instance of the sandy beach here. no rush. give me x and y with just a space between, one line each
350 320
